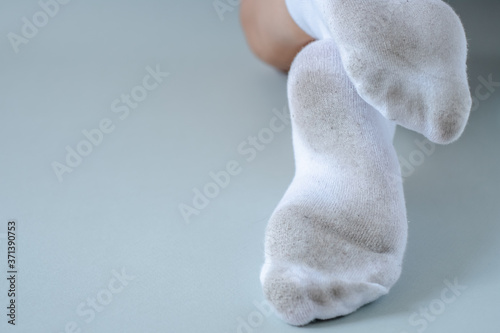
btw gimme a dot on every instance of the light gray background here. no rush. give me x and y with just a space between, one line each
119 208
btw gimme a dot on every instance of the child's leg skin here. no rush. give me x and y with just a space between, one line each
271 33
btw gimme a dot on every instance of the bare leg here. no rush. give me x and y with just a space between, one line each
271 33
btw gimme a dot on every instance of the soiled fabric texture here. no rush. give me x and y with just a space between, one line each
337 238
406 58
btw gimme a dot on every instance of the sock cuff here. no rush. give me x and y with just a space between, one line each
307 15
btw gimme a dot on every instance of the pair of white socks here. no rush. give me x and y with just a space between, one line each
337 238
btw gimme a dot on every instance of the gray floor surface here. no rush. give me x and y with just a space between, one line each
101 244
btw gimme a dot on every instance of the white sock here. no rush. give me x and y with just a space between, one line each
336 240
405 58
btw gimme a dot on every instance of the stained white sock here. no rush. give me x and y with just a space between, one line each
336 240
405 58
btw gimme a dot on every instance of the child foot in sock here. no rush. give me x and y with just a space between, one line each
336 240
405 58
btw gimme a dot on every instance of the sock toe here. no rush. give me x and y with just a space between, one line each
285 291
299 295
410 66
